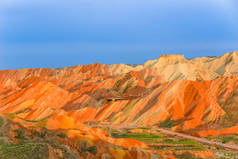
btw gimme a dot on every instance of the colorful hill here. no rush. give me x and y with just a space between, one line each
196 97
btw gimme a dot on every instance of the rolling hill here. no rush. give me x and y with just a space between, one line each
116 109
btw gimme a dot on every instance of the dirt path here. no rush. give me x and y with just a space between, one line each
202 140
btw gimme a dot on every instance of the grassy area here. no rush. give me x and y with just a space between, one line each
11 115
165 142
167 124
1 121
181 141
180 144
224 139
178 147
20 134
85 149
41 120
38 123
144 128
4 97
140 136
144 137
62 135
17 142
186 155
23 151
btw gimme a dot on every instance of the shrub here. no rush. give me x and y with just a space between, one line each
167 124
11 115
20 134
1 121
62 135
84 150
92 150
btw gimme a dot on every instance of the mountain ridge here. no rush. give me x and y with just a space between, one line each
196 97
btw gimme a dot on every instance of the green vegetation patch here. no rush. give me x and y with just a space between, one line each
11 115
185 144
33 144
144 128
62 135
23 151
144 137
20 134
182 141
165 142
167 123
178 147
84 149
40 123
224 139
186 155
1 121
4 97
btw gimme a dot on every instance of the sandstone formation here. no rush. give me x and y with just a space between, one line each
194 96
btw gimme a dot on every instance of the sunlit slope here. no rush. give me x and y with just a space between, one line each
191 95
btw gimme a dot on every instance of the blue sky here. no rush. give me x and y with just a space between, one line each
57 33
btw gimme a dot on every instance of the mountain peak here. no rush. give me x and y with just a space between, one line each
172 56
197 96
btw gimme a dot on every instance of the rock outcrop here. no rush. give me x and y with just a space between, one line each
196 96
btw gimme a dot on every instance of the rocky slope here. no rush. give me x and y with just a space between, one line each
195 96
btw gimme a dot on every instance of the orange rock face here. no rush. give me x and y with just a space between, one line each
197 96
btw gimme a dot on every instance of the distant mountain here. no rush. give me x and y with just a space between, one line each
196 96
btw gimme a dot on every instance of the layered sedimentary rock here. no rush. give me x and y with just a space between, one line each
197 96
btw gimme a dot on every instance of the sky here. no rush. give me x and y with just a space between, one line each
58 33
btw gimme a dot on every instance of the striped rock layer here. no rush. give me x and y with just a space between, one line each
199 96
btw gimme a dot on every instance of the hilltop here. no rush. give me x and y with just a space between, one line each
89 103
